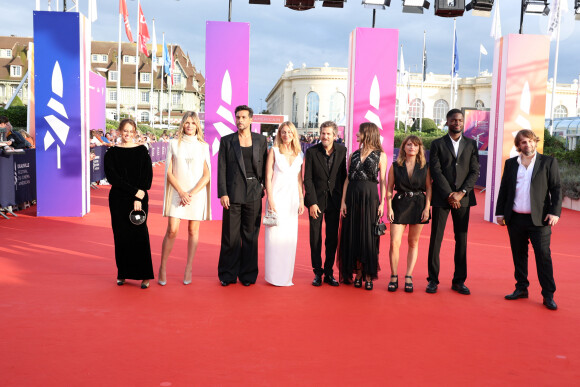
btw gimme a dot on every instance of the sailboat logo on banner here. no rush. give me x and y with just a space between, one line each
374 99
223 112
59 128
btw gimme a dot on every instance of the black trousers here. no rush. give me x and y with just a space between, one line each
460 218
331 217
239 245
522 231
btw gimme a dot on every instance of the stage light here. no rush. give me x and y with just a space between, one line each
265 2
449 8
415 6
480 7
577 9
377 4
299 5
536 6
333 3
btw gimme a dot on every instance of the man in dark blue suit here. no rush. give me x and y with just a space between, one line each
454 166
529 203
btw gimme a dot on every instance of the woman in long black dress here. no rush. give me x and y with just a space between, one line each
128 169
361 207
410 177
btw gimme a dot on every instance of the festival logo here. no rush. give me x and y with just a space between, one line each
224 112
58 128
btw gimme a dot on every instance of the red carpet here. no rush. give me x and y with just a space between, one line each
63 321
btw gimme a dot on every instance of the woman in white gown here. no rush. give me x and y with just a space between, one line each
286 198
187 190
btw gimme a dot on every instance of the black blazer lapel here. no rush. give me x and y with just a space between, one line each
336 163
238 151
256 154
536 165
320 158
462 145
447 141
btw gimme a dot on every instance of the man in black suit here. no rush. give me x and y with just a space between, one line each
454 165
241 166
530 203
324 176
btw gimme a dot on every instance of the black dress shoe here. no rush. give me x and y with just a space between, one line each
224 283
317 281
460 288
431 287
550 304
518 293
329 279
246 283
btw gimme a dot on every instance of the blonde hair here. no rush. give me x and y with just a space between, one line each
196 121
371 136
420 154
295 143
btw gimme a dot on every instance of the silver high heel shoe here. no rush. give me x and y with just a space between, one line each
162 283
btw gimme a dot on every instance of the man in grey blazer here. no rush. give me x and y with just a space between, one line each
454 166
529 203
241 166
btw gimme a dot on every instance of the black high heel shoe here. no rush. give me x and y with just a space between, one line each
358 283
393 285
409 285
120 282
369 285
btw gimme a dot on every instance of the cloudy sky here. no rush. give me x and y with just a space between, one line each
279 35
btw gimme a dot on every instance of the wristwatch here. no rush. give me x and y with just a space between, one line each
464 191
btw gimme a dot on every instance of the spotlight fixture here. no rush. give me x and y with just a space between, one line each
480 7
265 2
449 8
415 6
539 7
577 9
333 3
378 4
299 5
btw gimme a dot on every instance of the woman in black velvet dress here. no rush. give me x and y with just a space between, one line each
361 207
129 171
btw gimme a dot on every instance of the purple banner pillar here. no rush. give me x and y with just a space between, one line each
227 65
372 77
61 72
98 87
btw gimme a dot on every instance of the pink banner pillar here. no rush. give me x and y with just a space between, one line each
227 65
372 75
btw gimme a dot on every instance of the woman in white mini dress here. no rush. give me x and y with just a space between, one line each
187 190
286 198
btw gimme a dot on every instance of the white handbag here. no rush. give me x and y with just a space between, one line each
270 219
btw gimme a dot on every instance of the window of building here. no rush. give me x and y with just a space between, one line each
144 116
177 78
295 109
337 106
15 71
113 76
440 109
145 77
176 98
5 53
128 59
113 95
100 58
145 96
312 107
560 111
415 108
479 104
2 90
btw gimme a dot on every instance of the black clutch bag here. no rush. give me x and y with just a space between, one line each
380 227
137 217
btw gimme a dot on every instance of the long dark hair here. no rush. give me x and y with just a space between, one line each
371 137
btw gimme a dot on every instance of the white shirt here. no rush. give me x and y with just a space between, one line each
522 202
455 144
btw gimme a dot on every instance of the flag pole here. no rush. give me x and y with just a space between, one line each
422 81
555 83
119 58
451 104
479 63
408 87
161 91
153 59
137 59
170 81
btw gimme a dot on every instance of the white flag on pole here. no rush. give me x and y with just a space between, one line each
93 6
496 22
402 73
558 7
154 50
482 49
